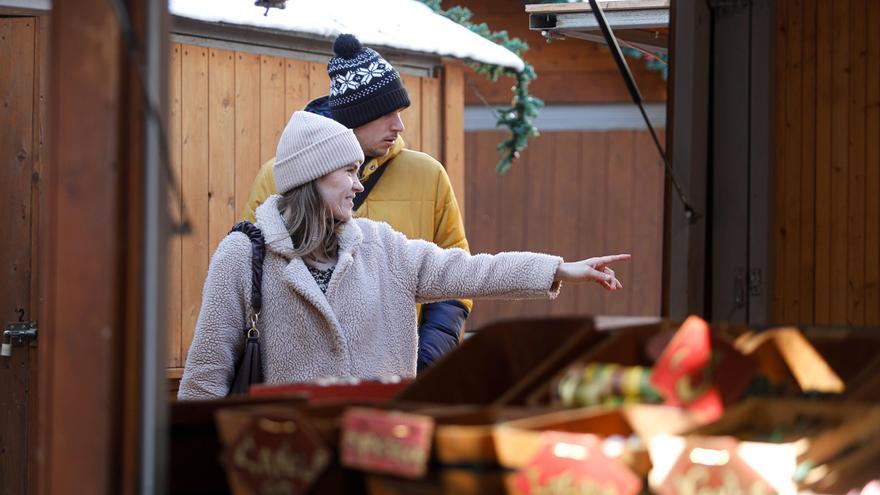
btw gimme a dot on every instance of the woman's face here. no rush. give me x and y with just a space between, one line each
338 189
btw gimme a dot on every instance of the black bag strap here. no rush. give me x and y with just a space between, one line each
369 184
258 252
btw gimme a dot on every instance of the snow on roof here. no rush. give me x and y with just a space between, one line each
402 24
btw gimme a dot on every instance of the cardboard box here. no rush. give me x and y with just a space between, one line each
756 447
501 363
463 435
854 355
787 357
516 442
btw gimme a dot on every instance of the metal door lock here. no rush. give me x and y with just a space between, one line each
17 334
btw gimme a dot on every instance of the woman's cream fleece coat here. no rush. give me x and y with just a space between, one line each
365 326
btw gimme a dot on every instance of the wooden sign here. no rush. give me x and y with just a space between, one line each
388 442
274 452
712 465
575 463
701 373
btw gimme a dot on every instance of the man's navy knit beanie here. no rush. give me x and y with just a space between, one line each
363 85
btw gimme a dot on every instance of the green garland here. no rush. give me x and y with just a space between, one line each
654 61
523 109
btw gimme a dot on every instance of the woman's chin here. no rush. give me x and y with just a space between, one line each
343 216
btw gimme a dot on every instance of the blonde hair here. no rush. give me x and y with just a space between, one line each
310 223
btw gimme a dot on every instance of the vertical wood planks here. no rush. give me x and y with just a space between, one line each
194 183
829 149
319 82
174 273
872 168
855 220
647 244
806 243
247 126
17 49
221 146
563 213
791 235
412 116
618 223
432 124
296 87
824 77
453 131
479 224
39 222
780 290
592 210
839 158
272 114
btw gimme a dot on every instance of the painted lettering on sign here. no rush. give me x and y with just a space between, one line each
366 444
386 441
699 480
565 483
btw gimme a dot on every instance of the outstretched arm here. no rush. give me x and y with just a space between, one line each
595 270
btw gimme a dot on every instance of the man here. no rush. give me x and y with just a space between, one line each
407 189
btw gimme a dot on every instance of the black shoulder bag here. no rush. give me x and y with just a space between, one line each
249 370
369 184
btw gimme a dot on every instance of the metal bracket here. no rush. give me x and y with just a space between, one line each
19 333
755 282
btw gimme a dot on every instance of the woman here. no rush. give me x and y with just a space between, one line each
339 293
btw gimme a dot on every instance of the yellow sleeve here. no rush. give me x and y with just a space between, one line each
262 188
449 225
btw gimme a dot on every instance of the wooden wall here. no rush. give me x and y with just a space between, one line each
574 194
827 234
228 110
23 92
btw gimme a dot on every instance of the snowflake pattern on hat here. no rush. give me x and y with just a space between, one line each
353 79
363 85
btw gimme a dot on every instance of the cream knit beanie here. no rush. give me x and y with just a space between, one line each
312 146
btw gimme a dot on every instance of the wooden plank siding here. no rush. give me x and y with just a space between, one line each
39 217
574 194
228 110
174 277
827 251
872 173
17 148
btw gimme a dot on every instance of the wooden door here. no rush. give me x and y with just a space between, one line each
23 46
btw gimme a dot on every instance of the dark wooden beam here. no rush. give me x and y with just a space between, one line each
90 275
687 138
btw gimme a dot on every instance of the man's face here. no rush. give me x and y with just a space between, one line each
377 136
